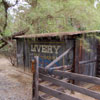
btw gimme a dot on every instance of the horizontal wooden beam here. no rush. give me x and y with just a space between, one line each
73 76
41 98
56 93
62 67
71 86
87 61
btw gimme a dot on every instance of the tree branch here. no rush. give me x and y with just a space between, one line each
6 6
3 45
7 40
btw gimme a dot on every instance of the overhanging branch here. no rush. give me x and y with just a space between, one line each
7 40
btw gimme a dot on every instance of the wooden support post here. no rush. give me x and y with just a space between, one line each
98 60
73 66
76 58
35 90
33 83
74 54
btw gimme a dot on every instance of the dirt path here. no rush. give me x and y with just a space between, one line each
14 85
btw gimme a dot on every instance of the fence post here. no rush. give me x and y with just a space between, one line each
35 84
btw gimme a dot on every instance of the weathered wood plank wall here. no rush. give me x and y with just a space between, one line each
56 48
49 49
20 52
84 54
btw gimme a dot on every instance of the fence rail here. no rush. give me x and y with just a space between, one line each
56 93
70 86
74 76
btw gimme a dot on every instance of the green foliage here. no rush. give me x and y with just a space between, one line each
2 17
63 15
55 16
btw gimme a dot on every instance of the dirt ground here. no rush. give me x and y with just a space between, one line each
15 85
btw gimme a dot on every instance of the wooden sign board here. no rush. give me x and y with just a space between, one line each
48 51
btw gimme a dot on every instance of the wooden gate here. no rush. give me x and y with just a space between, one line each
57 78
61 83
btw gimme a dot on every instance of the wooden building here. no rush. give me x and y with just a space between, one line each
83 58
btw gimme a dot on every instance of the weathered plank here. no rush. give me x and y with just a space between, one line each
76 56
87 61
33 81
79 77
62 67
74 76
20 52
37 78
56 93
58 58
41 98
71 86
75 64
26 53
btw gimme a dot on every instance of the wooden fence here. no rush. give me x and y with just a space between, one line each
43 74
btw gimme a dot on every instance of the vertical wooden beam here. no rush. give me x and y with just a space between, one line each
37 78
76 58
73 66
35 89
98 60
24 43
33 83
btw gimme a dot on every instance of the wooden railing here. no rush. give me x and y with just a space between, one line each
46 75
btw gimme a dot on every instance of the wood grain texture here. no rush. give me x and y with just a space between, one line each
56 93
58 58
71 86
74 76
36 80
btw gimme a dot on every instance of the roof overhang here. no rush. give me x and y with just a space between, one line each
56 34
